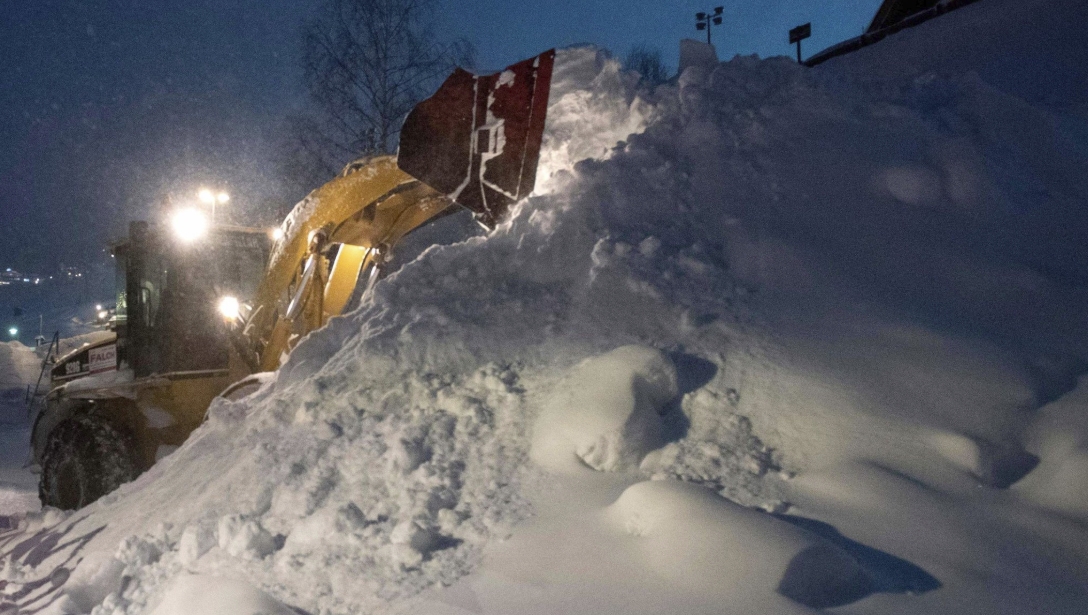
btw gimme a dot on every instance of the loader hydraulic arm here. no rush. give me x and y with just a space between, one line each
474 143
339 235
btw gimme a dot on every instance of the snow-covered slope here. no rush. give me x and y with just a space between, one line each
19 367
768 339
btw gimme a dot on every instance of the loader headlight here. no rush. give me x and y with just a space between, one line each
229 308
103 314
189 224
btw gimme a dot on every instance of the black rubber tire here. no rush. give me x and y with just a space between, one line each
85 458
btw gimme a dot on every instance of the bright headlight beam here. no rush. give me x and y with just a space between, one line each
229 308
189 224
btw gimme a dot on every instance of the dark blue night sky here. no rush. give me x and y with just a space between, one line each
108 107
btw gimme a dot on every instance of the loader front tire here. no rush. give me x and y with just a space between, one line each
85 458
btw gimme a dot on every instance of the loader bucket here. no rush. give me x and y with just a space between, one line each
477 139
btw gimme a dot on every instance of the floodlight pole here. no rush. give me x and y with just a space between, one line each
798 34
703 21
211 198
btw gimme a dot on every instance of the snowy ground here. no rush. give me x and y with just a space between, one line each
768 339
19 366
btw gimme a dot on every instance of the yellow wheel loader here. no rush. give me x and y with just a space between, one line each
202 307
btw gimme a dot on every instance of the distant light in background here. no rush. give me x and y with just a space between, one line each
14 332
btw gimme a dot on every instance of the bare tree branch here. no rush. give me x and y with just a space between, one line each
647 62
365 63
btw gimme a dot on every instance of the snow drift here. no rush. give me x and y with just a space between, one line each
766 339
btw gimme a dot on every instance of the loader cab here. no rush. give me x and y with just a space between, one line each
119 404
174 297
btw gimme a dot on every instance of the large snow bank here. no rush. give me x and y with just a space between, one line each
833 304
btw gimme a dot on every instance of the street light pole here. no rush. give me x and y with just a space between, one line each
798 34
703 21
207 196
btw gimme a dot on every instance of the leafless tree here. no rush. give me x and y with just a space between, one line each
647 62
366 63
305 157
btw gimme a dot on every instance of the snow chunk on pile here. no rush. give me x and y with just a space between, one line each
196 595
607 413
680 526
593 105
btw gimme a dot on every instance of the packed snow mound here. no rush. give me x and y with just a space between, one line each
797 320
677 523
1059 436
607 414
194 595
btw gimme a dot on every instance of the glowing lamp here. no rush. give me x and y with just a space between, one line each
229 308
189 224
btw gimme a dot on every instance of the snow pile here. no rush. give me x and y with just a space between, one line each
345 496
767 339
